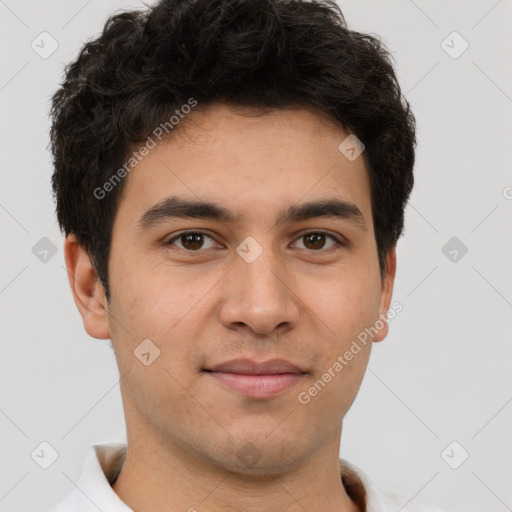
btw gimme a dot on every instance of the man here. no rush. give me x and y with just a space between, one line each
231 178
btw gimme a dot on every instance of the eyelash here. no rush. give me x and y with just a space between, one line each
339 243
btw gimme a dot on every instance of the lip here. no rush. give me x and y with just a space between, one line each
250 367
256 379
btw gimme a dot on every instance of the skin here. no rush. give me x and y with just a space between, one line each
185 431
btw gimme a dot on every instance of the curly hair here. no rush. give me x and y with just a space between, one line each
258 53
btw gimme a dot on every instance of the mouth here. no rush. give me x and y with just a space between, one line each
256 379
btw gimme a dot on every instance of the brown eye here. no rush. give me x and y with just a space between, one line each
316 240
194 241
190 240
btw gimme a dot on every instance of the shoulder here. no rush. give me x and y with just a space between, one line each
93 491
375 498
68 504
385 501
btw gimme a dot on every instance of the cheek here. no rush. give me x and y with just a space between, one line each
153 345
152 300
156 305
348 303
343 316
328 395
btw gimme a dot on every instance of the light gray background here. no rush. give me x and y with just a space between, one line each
444 372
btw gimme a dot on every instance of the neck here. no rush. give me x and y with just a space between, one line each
159 476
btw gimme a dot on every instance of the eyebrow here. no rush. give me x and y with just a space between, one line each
178 207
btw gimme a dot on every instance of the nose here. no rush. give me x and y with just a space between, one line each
259 295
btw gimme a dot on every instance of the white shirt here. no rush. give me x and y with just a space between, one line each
104 462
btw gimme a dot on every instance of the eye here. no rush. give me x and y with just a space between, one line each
193 241
315 240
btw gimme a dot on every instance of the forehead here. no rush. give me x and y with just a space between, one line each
246 158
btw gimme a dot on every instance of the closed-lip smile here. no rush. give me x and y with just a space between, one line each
250 367
256 379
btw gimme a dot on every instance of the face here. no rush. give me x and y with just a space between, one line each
258 278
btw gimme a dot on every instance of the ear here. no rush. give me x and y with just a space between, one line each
88 292
388 280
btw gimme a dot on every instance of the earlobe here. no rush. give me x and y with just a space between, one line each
386 294
88 292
